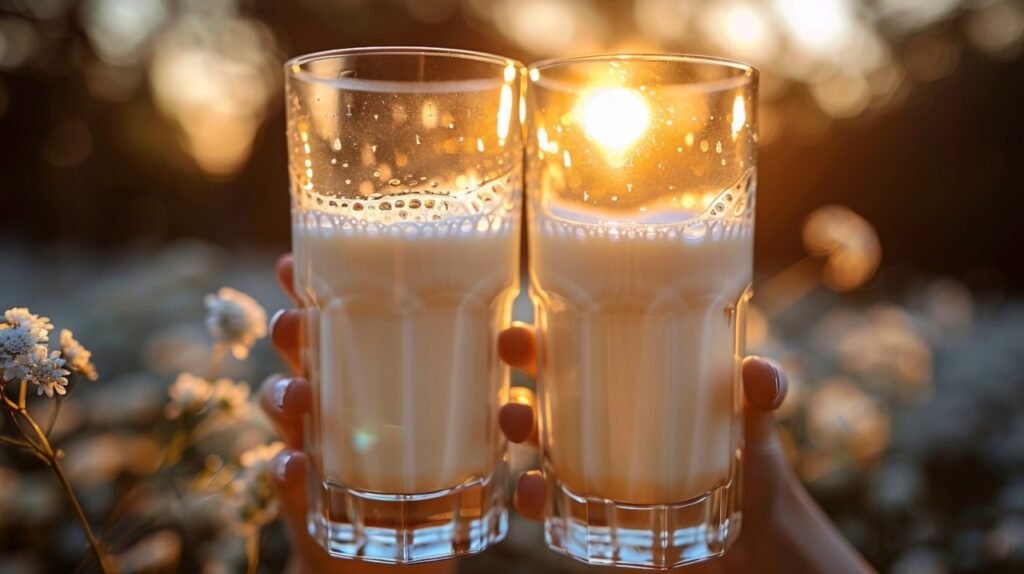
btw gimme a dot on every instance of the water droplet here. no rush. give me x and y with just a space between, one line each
430 203
394 182
704 145
433 184
615 198
718 147
423 178
451 125
414 204
385 206
334 161
348 182
337 144
344 164
357 206
376 173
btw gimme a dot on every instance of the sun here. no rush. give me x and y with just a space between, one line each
614 117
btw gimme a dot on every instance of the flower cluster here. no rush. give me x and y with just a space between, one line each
235 320
848 243
193 395
252 494
25 357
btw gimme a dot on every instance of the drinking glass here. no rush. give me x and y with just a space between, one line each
405 167
640 186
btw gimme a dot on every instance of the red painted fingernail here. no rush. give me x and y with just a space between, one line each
516 420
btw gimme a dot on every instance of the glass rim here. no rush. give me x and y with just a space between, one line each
749 76
294 67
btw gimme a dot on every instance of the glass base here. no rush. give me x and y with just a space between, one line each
659 537
410 528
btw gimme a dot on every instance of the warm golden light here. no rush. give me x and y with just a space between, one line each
739 116
504 112
615 117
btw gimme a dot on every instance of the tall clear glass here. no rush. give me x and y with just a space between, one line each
640 185
405 168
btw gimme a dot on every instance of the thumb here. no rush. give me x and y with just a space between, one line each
764 389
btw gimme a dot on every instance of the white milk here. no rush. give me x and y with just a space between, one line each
406 295
640 356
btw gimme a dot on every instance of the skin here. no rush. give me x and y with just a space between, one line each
783 529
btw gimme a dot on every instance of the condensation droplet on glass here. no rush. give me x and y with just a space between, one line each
629 188
337 144
344 164
704 146
615 198
376 174
374 148
334 161
394 182
718 147
418 141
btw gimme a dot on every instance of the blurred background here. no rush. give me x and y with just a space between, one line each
142 164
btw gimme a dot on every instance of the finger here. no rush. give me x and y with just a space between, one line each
286 400
764 383
529 496
764 387
285 269
286 333
517 346
517 418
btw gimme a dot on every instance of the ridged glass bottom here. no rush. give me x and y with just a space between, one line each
659 537
410 528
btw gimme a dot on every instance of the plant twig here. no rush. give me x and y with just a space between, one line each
252 552
53 415
14 442
94 543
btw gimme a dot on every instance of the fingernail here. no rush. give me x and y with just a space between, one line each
531 483
273 321
281 468
516 420
777 382
279 390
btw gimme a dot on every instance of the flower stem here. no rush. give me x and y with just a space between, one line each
252 552
94 543
53 416
21 394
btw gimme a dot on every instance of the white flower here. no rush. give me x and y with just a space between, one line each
252 493
39 327
230 400
15 342
77 356
47 372
235 320
189 394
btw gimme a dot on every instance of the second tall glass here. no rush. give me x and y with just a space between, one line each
405 168
640 180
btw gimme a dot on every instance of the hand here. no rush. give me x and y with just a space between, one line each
772 493
285 400
783 529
